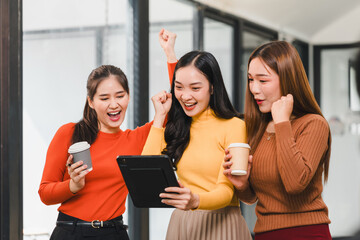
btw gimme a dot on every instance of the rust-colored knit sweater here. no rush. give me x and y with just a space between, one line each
286 176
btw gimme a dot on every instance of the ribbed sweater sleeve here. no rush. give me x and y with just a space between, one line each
54 187
298 160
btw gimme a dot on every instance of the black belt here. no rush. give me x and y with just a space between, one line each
94 223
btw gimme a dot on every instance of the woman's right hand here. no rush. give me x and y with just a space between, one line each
77 172
167 42
162 103
239 182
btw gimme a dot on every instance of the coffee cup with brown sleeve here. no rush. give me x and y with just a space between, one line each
240 157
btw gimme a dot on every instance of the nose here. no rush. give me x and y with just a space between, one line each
113 103
185 96
254 87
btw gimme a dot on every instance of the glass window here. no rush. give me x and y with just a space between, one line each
177 18
62 42
336 85
218 40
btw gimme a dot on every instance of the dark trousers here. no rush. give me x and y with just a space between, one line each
118 232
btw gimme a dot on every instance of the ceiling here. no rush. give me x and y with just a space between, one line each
302 18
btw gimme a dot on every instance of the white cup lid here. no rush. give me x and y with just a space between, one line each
244 145
78 147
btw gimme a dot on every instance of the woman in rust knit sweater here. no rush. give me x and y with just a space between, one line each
92 202
290 142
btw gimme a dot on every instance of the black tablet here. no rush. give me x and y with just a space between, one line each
146 177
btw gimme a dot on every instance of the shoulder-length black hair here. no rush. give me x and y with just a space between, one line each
177 131
88 127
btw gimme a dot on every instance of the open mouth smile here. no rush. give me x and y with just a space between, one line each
189 106
114 116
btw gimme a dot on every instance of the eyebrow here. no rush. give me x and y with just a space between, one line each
260 75
106 94
190 83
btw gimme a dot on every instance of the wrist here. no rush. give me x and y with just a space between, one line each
195 201
280 120
242 187
73 189
171 57
159 120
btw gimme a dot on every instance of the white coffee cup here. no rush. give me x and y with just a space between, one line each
81 152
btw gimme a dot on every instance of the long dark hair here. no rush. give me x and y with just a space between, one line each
283 59
177 131
88 127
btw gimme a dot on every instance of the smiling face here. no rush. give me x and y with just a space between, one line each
264 84
192 90
110 103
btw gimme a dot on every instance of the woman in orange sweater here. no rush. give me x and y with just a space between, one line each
290 141
92 203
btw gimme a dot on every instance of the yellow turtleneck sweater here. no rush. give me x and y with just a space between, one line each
200 167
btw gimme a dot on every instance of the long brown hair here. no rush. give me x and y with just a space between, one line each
88 127
283 59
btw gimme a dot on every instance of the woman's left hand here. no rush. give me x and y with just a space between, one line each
180 197
281 110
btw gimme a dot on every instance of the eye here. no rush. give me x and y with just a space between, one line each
263 81
104 99
196 88
121 96
178 87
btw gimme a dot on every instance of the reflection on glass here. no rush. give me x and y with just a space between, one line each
177 18
62 42
218 40
336 85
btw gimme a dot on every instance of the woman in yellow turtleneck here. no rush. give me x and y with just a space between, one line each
201 124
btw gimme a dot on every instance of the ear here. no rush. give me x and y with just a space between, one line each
211 90
90 102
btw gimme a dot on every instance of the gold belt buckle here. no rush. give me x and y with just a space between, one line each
94 221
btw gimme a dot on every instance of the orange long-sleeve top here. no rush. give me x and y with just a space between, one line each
286 175
105 192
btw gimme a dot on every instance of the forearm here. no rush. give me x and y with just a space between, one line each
155 142
218 198
159 120
55 192
298 160
247 195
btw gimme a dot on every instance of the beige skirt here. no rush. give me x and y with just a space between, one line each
222 224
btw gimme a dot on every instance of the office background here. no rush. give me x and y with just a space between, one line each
58 43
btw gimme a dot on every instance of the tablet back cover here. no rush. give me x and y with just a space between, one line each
146 177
